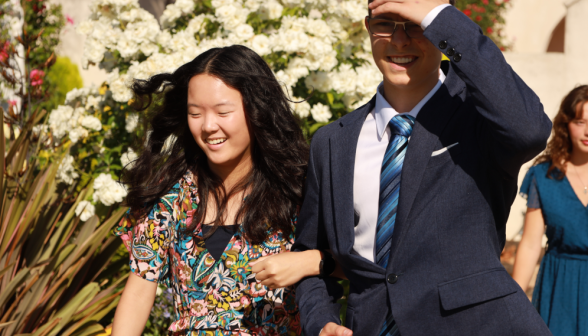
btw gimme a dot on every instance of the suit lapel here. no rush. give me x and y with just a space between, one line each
343 145
429 125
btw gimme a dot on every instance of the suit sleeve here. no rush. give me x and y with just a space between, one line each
513 127
316 297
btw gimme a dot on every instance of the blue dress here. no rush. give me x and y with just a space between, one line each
561 290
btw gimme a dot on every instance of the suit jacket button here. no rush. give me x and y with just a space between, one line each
451 52
457 58
392 278
443 44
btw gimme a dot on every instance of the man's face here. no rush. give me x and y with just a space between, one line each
405 62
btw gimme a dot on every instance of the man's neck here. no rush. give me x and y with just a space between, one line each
404 98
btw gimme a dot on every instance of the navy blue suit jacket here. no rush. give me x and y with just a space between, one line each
444 275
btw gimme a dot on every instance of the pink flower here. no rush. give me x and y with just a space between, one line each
37 77
13 103
69 19
4 52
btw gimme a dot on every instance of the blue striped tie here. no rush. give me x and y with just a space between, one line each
401 127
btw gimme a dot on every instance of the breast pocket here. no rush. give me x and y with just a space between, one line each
445 154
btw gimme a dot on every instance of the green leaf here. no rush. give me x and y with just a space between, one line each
330 97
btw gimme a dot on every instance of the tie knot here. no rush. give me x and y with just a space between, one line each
402 125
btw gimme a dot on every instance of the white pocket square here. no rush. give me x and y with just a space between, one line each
443 150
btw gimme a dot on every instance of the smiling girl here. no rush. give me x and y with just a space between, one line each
224 194
557 200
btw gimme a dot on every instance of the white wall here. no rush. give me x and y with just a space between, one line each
72 43
550 75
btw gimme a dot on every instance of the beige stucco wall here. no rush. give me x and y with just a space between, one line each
529 23
72 43
550 75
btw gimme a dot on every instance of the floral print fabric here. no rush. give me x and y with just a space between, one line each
211 297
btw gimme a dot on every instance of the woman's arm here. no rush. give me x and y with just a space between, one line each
529 248
134 307
287 268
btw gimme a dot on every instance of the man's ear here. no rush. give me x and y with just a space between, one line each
365 22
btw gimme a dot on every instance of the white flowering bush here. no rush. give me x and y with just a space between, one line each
318 49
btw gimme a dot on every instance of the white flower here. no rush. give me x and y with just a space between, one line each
94 50
64 119
319 28
92 102
149 49
169 15
107 191
186 6
344 80
196 24
66 172
92 123
271 10
301 109
244 32
315 14
38 130
252 5
220 3
120 90
127 158
85 27
127 46
321 113
77 134
85 210
318 81
164 38
131 122
75 94
261 44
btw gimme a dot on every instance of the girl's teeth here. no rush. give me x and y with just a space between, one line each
216 141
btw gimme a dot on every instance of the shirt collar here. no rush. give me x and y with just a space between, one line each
383 112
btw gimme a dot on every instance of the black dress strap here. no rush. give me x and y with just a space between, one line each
218 241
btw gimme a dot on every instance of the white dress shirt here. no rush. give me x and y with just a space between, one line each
371 147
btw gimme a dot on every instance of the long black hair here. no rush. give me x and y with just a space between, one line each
279 150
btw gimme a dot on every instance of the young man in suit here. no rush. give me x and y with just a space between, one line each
411 192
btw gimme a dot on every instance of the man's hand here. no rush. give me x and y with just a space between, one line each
333 329
286 268
412 10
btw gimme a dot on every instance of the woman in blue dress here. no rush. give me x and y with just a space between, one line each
556 188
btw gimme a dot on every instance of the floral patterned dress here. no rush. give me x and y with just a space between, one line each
211 297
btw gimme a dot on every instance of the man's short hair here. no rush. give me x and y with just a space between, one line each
452 2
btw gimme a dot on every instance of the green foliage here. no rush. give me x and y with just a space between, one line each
46 21
56 274
488 14
61 78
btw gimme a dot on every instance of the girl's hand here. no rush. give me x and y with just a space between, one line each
286 268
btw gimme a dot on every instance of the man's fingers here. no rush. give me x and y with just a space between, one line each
387 7
377 3
332 329
342 331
